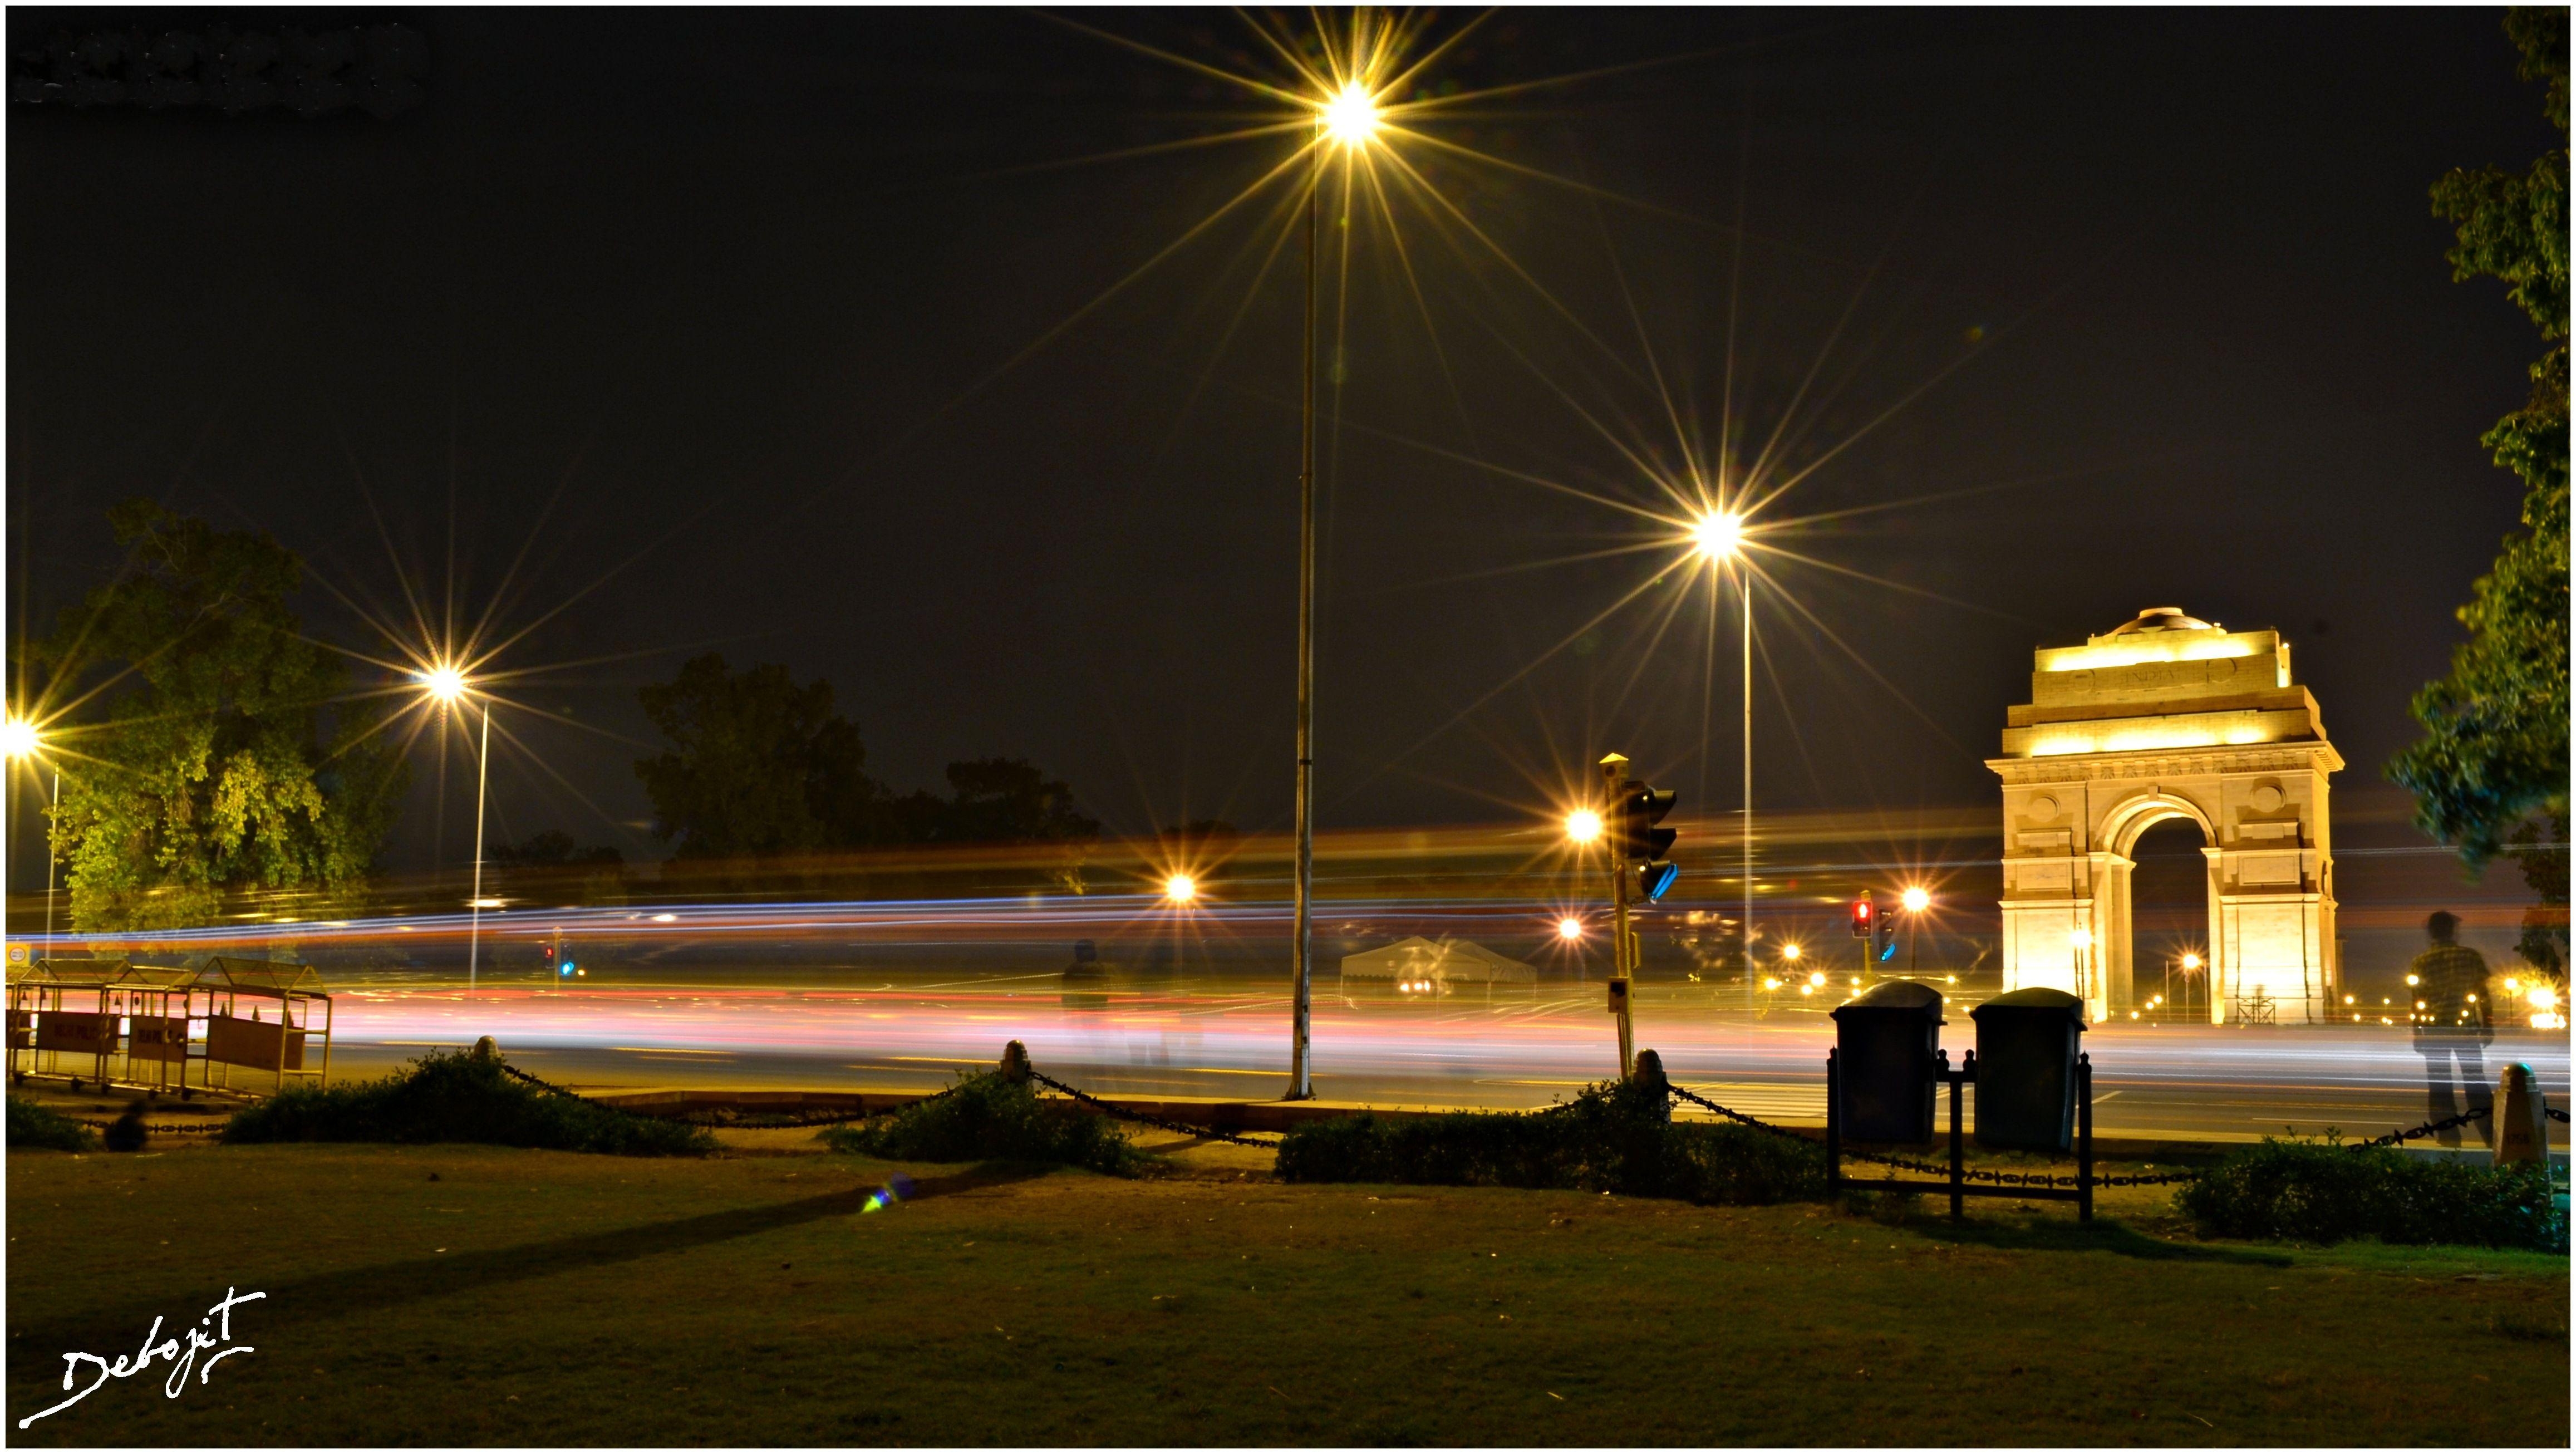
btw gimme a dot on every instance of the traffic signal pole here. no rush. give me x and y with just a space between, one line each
1623 954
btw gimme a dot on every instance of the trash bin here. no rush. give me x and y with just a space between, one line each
2026 1044
1888 1038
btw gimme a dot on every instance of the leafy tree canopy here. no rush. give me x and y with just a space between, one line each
2492 766
213 757
761 767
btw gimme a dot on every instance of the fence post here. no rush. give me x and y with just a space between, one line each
1833 1122
2084 1137
1958 1080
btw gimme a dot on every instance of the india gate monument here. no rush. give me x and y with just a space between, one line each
2169 717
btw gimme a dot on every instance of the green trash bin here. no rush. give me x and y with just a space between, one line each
1888 1039
2026 1047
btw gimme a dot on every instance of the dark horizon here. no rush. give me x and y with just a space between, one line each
730 281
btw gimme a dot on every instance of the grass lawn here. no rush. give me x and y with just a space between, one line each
469 1295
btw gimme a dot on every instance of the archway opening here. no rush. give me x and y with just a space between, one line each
2169 923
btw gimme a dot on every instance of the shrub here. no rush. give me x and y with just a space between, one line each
990 1117
2323 1191
452 1096
1613 1137
31 1125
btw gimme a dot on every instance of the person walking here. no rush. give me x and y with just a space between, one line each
2453 1027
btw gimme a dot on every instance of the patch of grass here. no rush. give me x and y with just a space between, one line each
538 1298
32 1126
991 1117
2326 1192
1613 1137
455 1096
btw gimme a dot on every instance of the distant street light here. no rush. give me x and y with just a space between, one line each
1180 888
1569 928
447 685
1583 826
20 741
1791 952
1915 900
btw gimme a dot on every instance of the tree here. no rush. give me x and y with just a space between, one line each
762 766
2492 766
1008 800
550 860
220 757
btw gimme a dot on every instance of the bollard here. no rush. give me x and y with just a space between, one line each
1015 1063
487 1048
2521 1125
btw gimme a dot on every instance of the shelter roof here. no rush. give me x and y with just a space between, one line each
1454 959
259 977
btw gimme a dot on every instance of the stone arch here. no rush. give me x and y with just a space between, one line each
2170 718
2127 822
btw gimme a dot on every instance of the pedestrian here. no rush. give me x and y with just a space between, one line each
2453 1027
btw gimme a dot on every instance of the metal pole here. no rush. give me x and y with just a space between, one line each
482 779
1301 1085
52 809
1748 784
1623 958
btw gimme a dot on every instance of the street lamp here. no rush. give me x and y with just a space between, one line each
446 684
1180 888
20 741
1719 537
1348 118
1569 929
1583 826
1915 900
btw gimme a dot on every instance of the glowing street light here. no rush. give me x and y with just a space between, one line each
1718 535
446 684
1569 928
1583 826
1180 888
1915 899
1790 951
1351 117
21 741
2190 963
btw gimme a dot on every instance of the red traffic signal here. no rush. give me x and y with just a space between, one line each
1864 917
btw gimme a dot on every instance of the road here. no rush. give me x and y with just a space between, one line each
1218 1037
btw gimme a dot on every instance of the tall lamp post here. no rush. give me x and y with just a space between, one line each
1347 119
448 686
1719 536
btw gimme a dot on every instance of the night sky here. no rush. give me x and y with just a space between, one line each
734 292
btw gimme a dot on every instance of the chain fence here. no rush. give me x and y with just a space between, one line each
753 1120
2429 1128
1140 1118
1975 1174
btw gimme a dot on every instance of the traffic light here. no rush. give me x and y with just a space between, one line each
1882 939
1865 919
1636 839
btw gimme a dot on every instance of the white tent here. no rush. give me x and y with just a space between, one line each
1447 961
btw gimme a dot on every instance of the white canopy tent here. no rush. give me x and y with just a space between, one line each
1436 963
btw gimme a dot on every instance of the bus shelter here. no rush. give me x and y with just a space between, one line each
263 1016
104 1020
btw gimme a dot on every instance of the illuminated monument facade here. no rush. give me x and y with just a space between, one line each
2166 718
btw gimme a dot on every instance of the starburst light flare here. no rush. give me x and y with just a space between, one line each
19 739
